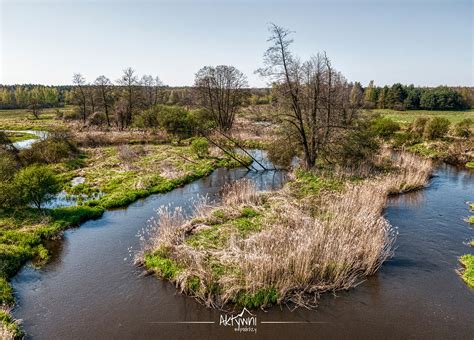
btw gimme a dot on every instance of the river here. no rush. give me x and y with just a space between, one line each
91 290
25 144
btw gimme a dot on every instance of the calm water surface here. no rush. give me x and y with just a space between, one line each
25 144
91 290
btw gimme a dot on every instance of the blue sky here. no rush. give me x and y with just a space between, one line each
420 42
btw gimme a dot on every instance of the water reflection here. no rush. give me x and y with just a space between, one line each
414 198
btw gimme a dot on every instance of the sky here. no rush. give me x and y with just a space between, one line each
421 42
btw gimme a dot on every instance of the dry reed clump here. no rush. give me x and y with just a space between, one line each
169 171
412 172
128 154
261 249
240 192
97 138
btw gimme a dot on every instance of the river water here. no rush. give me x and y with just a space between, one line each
91 290
25 144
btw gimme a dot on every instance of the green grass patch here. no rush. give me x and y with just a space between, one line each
162 265
219 227
20 136
213 237
468 273
6 292
10 325
308 183
249 212
406 117
424 149
246 226
220 215
261 298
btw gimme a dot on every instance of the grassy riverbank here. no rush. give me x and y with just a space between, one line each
113 177
467 260
317 234
20 136
467 273
126 173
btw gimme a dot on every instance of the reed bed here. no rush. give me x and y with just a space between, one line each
257 249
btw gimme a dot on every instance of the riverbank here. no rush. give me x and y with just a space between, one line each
318 234
111 177
454 143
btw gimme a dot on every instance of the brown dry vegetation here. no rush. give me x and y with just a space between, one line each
257 249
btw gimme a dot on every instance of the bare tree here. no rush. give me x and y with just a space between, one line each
159 93
104 87
148 86
130 83
221 90
357 95
313 98
34 105
91 95
80 94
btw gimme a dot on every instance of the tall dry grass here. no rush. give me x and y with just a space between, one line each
412 172
298 253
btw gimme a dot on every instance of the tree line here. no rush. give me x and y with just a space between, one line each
134 100
153 91
409 97
28 96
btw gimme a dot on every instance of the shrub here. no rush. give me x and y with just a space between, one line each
385 127
57 147
73 114
9 195
8 165
36 184
280 153
406 138
200 146
97 119
175 120
436 127
202 119
5 143
46 151
463 128
418 126
172 119
147 119
59 114
355 146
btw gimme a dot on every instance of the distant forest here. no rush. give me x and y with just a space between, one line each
397 96
403 97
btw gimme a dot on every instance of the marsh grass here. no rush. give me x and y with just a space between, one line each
257 249
9 327
467 272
